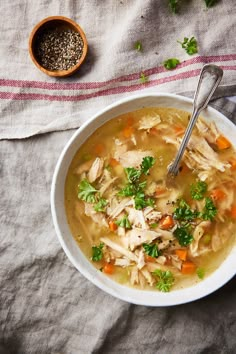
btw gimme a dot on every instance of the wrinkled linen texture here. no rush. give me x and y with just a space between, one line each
46 305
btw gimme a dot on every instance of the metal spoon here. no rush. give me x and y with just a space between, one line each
209 80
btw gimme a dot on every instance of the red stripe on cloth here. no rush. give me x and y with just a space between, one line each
111 91
96 85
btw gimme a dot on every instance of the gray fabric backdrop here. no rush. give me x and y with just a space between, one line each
46 306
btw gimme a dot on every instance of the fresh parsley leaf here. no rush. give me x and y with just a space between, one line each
101 204
171 63
143 78
154 225
97 252
138 46
147 163
151 250
173 5
183 236
210 3
150 202
184 213
124 222
165 280
87 191
128 191
190 45
210 210
200 273
133 174
139 200
198 190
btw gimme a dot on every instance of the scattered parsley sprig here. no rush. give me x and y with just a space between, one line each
190 45
165 280
151 250
97 253
171 63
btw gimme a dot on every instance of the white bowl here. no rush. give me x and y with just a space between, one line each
142 297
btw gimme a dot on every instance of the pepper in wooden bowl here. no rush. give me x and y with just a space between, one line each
58 46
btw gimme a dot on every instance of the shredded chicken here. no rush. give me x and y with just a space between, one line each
120 249
97 217
132 158
96 169
139 236
136 217
197 235
117 207
208 130
122 262
148 122
147 275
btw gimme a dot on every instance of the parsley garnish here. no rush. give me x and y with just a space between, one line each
154 225
87 191
198 190
97 252
173 5
170 64
132 174
143 78
128 191
151 250
210 210
101 204
165 280
210 3
183 235
147 163
138 46
184 213
135 188
124 222
190 45
200 273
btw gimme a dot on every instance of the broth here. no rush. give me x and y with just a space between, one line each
134 226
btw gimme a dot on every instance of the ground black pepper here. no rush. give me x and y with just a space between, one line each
59 49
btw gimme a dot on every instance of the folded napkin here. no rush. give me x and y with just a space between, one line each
33 103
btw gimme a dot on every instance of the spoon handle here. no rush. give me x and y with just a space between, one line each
209 80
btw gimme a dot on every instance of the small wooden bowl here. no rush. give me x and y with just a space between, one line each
50 23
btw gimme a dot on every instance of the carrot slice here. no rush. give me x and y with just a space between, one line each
159 191
149 258
112 226
184 169
109 268
188 267
99 149
217 194
178 130
130 121
128 131
153 131
233 211
181 253
233 164
223 143
113 162
166 222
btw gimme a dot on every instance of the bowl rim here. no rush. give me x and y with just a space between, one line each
57 73
156 299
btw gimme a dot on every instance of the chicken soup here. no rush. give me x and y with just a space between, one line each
131 222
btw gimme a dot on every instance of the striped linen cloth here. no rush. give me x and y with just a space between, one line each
33 103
